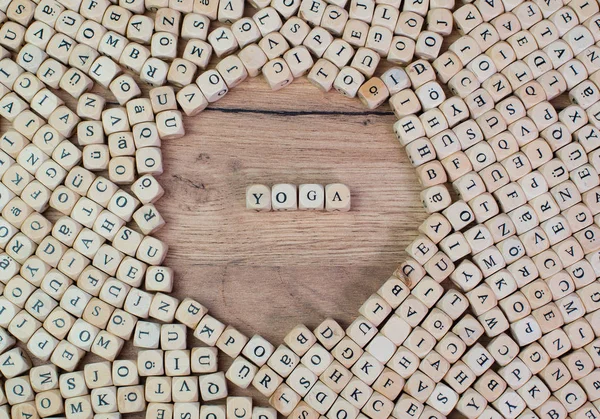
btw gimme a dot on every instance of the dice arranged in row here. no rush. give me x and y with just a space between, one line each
288 197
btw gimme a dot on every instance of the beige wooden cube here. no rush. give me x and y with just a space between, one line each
348 81
12 106
366 61
134 56
277 73
294 30
181 72
264 413
208 411
170 126
267 20
428 45
124 88
121 144
161 99
258 350
131 399
253 58
283 361
21 11
334 19
195 26
30 57
98 313
150 363
284 197
12 36
339 52
299 60
147 189
230 10
148 219
25 85
158 389
361 331
204 360
323 74
154 71
51 72
83 57
320 397
301 380
245 31
241 372
96 157
185 390
190 313
92 11
191 100
115 120
300 339
164 45
212 85
149 161
337 197
90 106
88 132
167 20
49 403
163 307
317 41
209 330
121 170
232 70
258 198
145 134
373 93
312 12
98 374
213 386
112 45
116 19
67 356
104 71
223 41
17 363
284 399
379 39
82 334
266 381
198 52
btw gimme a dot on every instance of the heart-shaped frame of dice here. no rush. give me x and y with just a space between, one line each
515 335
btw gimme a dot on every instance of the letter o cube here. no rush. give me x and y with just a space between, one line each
311 197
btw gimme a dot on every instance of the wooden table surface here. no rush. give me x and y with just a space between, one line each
264 273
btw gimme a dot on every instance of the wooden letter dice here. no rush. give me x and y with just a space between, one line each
311 197
337 197
284 197
258 198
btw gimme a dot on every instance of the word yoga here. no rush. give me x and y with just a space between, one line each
288 197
